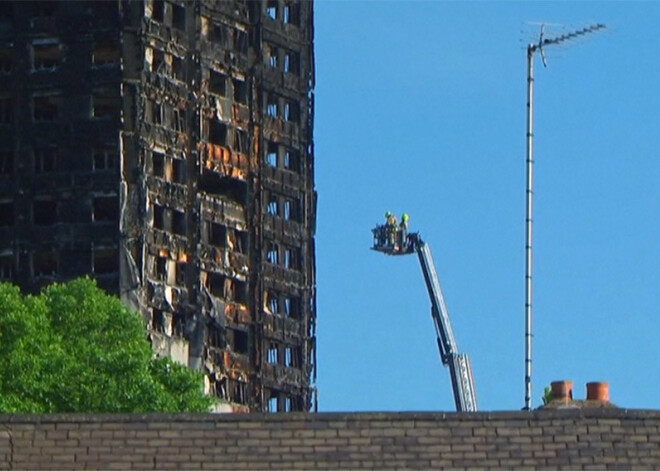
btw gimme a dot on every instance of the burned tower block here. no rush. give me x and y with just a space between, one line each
166 149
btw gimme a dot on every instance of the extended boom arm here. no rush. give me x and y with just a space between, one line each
460 369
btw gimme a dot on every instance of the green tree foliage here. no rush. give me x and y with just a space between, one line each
74 348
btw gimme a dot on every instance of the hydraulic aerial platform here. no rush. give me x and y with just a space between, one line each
392 240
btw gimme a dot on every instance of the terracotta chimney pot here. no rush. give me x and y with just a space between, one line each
562 390
598 391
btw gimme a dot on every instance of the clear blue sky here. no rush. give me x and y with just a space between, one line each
420 107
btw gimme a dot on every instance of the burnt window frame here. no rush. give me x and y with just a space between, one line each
6 111
101 255
7 162
105 158
45 159
7 213
158 10
105 208
44 212
178 16
46 108
41 52
217 83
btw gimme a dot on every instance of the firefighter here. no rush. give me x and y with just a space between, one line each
391 228
403 230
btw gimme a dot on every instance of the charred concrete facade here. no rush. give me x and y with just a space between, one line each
166 148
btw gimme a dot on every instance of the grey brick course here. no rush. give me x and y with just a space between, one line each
579 439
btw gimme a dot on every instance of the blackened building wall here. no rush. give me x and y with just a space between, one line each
166 149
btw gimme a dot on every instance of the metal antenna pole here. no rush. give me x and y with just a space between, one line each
531 49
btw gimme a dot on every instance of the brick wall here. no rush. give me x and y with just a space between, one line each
559 439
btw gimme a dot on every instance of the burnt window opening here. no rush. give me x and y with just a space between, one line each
219 34
239 291
292 258
178 328
292 307
44 9
271 9
105 208
237 391
240 91
292 160
46 56
292 62
227 288
45 160
292 111
155 112
6 267
241 141
271 154
45 108
104 106
272 105
217 83
159 321
292 210
160 268
216 234
272 302
6 111
272 402
44 213
180 273
160 217
273 207
157 163
44 264
105 9
106 159
215 336
230 188
238 240
291 14
179 117
178 17
215 283
157 60
105 261
240 40
178 171
7 13
273 59
292 404
6 214
6 162
158 10
272 353
178 222
178 69
106 52
217 132
293 357
273 254
6 59
239 341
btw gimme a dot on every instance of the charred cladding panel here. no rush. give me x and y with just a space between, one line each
166 149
